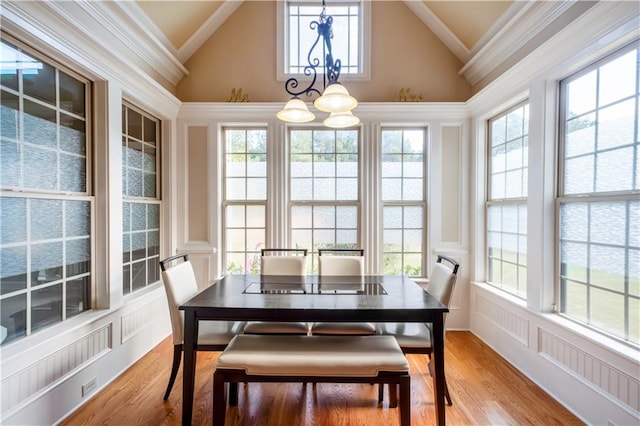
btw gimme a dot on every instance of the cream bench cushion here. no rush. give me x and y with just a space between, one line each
349 356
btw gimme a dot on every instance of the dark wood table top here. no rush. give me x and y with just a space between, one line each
314 298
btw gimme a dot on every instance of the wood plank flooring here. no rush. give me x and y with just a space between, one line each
485 389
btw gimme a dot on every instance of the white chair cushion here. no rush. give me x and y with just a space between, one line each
218 332
343 328
273 355
414 335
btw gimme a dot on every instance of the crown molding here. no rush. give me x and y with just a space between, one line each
207 29
528 21
603 28
112 27
122 22
54 28
453 43
516 8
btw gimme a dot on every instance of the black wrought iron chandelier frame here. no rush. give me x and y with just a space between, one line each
331 66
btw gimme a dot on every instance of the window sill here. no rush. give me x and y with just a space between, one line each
501 293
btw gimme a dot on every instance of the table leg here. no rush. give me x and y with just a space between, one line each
189 365
438 360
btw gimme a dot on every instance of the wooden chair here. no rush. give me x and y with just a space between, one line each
284 262
180 285
337 264
415 338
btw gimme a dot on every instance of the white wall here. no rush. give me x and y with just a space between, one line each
594 377
42 374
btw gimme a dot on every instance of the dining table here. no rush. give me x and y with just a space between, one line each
311 298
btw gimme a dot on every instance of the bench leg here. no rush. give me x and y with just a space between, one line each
405 401
393 395
219 399
233 394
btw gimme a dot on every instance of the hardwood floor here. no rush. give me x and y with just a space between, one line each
485 389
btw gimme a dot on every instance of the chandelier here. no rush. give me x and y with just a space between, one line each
335 98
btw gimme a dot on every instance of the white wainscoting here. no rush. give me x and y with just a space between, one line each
597 383
26 384
589 368
45 382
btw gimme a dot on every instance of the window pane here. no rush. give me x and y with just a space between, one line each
403 165
605 311
618 78
403 234
507 220
574 296
580 135
599 234
78 297
245 181
581 94
141 215
46 306
72 173
72 135
72 96
614 170
578 175
616 125
315 227
403 183
38 164
13 317
346 43
509 154
332 176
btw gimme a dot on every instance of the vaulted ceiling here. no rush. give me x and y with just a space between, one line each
461 45
463 26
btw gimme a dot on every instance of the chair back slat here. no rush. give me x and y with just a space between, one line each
283 252
339 252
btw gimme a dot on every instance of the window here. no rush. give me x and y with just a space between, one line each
403 196
245 199
507 201
141 205
598 204
350 41
324 190
45 207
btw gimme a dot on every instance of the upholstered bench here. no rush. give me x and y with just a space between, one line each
312 359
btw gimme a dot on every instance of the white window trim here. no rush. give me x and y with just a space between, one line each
365 44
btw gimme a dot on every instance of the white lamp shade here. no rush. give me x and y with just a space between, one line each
339 120
335 98
295 111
